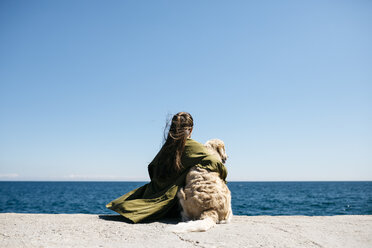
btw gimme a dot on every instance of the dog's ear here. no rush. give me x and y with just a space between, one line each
222 152
220 149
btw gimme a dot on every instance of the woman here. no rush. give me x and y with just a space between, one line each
167 171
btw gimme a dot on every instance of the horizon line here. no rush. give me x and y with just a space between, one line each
370 180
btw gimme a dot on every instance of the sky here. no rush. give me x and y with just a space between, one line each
86 87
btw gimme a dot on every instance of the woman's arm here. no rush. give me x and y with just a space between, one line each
213 164
196 154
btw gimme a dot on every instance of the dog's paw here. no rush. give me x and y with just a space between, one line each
228 220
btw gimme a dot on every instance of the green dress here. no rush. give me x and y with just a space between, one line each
158 198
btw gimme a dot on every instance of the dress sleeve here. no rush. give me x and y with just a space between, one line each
213 164
196 154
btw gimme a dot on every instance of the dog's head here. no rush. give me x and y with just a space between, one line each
218 146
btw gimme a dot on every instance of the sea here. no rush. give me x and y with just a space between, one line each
248 198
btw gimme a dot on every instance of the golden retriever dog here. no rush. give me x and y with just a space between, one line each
205 199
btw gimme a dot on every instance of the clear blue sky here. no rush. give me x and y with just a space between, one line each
86 86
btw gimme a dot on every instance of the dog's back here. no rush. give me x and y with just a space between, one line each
206 197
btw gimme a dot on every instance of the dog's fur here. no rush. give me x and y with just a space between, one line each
205 199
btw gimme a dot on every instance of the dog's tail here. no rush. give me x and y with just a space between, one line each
193 226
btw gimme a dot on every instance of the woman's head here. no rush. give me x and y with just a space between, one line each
180 128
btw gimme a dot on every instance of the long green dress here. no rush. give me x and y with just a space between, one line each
158 198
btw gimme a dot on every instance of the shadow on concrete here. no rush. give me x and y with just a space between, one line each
120 218
116 217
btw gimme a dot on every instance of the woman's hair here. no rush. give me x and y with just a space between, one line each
179 130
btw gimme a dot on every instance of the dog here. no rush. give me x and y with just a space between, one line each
205 199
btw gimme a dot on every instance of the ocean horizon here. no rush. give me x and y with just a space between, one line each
311 198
